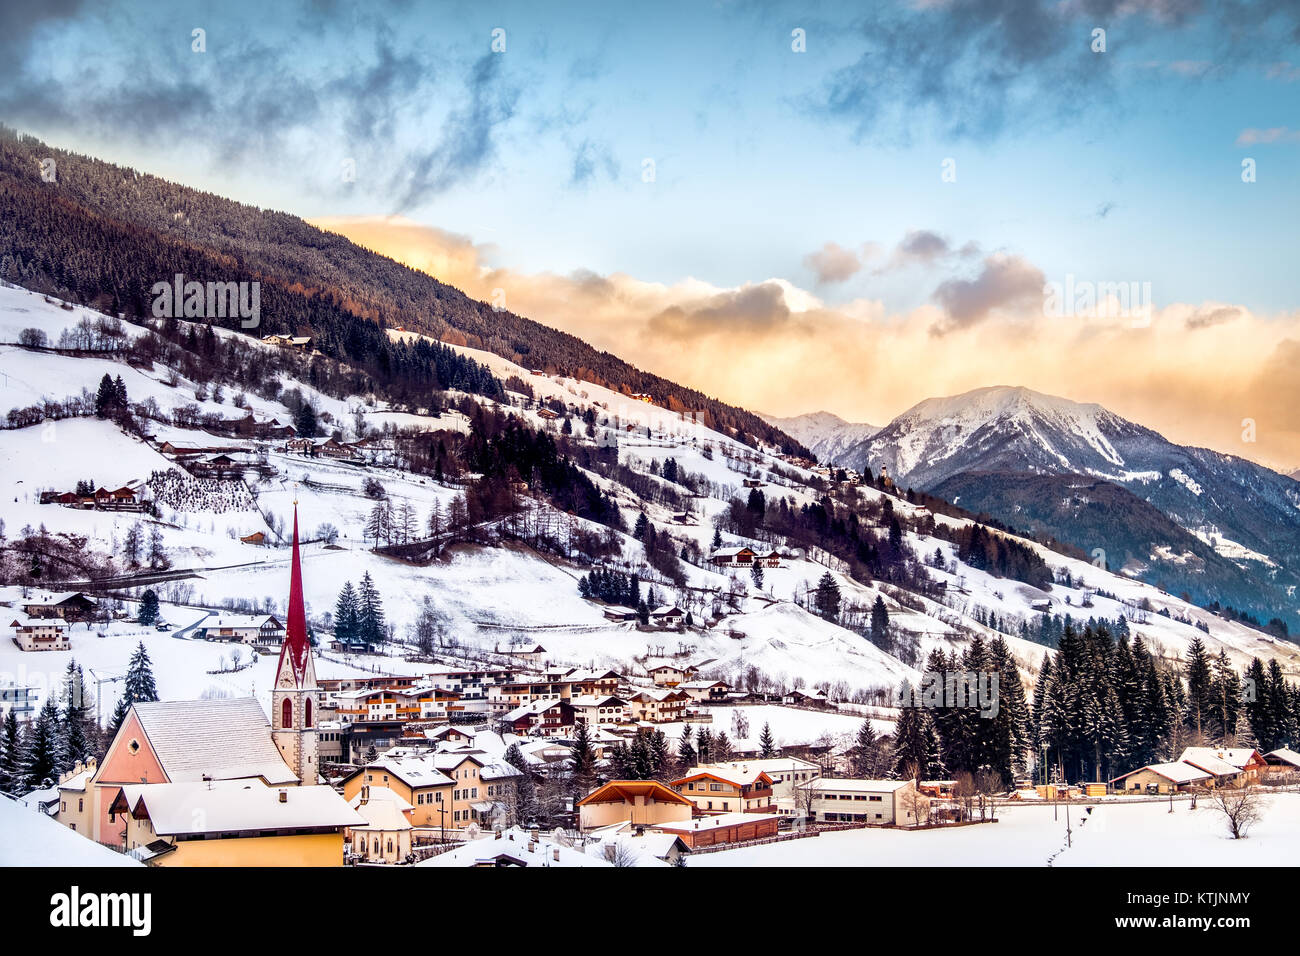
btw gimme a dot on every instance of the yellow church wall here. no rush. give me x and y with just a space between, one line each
315 849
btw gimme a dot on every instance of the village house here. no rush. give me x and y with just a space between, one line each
667 674
542 718
1163 778
590 681
705 691
636 844
262 630
659 706
729 789
594 710
40 634
732 557
1249 764
415 780
786 773
642 803
874 802
299 342
233 823
668 616
1281 762
767 558
68 605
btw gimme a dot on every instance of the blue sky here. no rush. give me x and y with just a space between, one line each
1123 165
758 158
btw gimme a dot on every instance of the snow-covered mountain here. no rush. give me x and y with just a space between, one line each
1243 511
826 434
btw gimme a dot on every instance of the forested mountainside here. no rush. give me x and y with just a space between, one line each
102 234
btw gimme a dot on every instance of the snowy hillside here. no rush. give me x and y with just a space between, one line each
492 595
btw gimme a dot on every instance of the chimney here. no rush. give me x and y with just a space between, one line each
284 796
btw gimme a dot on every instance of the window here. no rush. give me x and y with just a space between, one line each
307 714
286 713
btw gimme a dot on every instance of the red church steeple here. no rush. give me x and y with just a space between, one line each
296 648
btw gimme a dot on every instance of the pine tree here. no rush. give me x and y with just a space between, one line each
305 421
105 397
120 710
880 623
826 599
140 684
916 744
766 743
148 608
717 538
74 728
1199 689
867 757
756 572
346 613
582 761
686 756
41 748
11 755
370 612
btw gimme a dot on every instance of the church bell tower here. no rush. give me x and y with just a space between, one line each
295 698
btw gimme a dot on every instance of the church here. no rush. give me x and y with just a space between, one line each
214 783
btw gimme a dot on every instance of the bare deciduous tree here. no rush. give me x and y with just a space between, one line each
1242 807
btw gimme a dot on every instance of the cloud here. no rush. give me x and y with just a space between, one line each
1205 317
833 263
1275 134
1105 209
1004 282
977 70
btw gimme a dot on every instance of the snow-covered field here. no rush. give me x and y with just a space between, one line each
1128 834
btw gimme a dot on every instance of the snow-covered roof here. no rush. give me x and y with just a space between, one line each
223 806
716 822
384 810
1285 755
1236 757
739 774
222 739
853 785
239 620
1177 772
1210 763
33 839
516 846
769 766
412 771
592 700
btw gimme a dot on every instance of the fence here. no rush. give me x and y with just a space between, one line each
779 838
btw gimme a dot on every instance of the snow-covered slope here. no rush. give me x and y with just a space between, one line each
488 598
